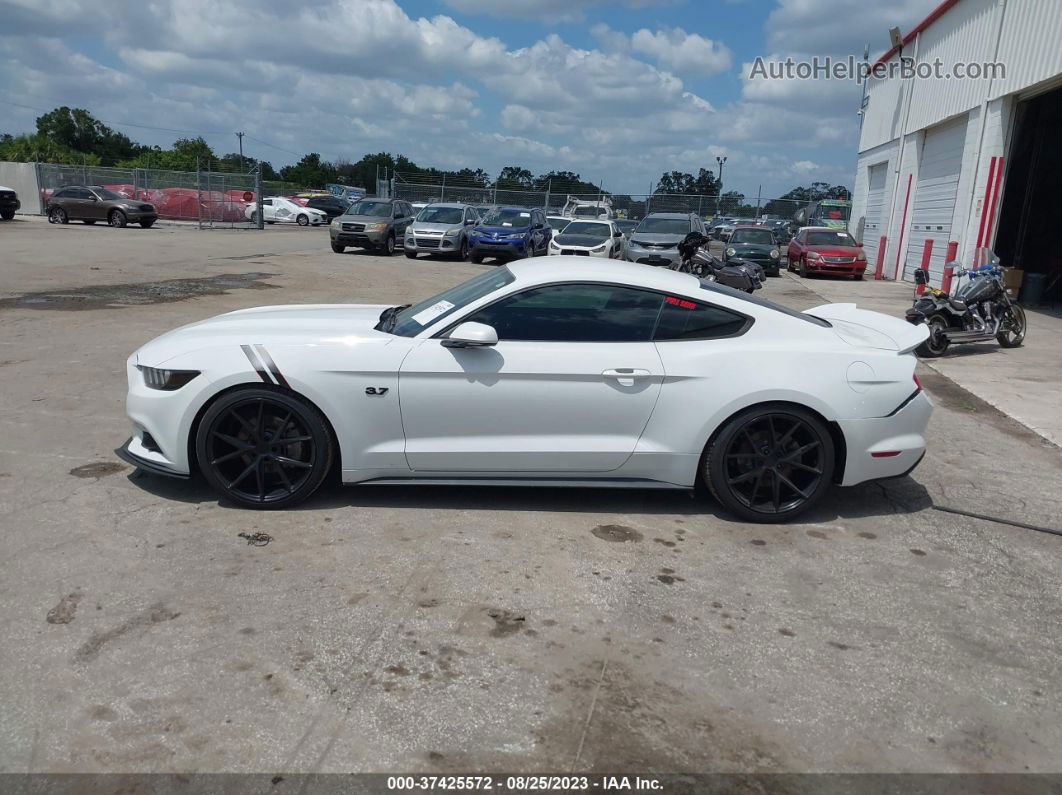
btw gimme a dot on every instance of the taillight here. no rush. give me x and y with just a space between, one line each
918 384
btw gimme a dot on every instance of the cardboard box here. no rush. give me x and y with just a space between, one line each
1012 279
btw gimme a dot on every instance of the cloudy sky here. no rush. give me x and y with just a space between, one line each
618 91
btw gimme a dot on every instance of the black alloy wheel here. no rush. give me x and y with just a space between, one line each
262 448
1012 330
57 215
770 463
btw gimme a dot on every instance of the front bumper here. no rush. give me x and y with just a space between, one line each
433 244
576 252
660 258
361 239
134 452
769 265
10 205
514 249
902 432
856 268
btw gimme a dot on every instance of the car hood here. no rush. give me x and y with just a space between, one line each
503 230
866 329
836 251
753 248
582 241
318 324
419 226
365 219
656 239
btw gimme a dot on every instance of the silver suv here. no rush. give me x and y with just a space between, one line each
376 224
655 240
441 229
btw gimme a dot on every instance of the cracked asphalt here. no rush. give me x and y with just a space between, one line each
396 629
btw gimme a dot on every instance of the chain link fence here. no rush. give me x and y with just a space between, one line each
207 198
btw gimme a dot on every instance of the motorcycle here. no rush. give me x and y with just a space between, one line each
980 311
697 260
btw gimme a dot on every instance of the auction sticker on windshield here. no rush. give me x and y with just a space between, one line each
425 316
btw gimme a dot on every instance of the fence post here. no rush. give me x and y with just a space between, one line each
879 266
259 219
198 193
442 195
927 252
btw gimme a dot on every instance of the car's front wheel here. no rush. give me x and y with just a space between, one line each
302 219
147 223
117 219
262 448
338 248
389 245
770 463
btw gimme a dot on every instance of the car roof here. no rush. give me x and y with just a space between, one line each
443 204
683 216
571 268
821 229
747 226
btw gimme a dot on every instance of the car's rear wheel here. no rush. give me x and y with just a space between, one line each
117 219
770 463
262 448
303 219
57 215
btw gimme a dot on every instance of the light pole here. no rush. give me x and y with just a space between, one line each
240 136
722 162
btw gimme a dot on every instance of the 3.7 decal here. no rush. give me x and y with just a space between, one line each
379 391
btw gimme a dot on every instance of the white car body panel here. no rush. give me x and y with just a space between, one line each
545 412
284 211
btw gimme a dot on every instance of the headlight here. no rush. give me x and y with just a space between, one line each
166 380
861 256
375 227
453 232
731 252
599 248
814 255
514 236
775 253
553 244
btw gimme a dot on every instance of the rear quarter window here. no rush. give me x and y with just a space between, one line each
682 319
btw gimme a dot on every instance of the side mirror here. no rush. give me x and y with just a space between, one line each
471 335
920 276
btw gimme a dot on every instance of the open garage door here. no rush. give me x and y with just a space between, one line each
934 199
872 227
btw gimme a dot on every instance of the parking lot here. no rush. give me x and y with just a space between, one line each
437 629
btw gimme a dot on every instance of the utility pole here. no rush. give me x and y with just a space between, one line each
759 190
240 136
722 162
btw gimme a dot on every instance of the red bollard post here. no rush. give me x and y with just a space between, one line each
949 271
927 252
879 267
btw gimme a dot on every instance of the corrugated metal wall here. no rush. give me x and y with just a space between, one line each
1029 44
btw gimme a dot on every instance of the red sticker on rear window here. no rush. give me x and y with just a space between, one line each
679 302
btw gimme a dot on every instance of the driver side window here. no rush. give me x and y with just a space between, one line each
574 313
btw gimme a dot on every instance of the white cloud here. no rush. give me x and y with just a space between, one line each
544 10
672 48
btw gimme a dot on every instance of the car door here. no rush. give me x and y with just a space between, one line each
795 248
569 387
268 211
282 211
617 251
79 204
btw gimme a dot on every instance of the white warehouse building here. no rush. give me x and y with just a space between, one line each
976 161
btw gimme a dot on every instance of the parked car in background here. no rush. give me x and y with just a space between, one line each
441 229
654 241
822 249
377 224
754 244
331 206
557 223
279 210
9 203
723 227
626 226
92 203
511 233
589 239
484 210
780 228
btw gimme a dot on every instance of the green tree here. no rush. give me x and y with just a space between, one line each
310 172
40 148
515 178
77 129
187 154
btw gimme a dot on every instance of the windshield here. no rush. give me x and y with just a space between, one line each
508 218
626 226
587 212
412 320
823 238
763 236
372 208
441 215
558 223
600 231
664 226
107 195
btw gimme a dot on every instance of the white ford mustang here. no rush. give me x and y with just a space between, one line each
589 238
561 372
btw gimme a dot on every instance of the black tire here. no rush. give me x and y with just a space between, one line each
769 463
253 470
937 344
858 277
254 218
476 258
302 219
1012 333
88 222
270 222
337 248
147 224
801 269
410 253
57 215
462 250
117 219
7 215
389 246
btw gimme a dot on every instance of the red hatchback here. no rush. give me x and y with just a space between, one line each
820 249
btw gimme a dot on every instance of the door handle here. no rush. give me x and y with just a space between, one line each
625 375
